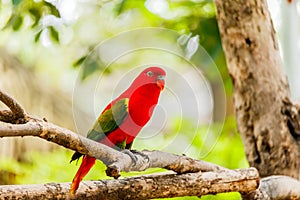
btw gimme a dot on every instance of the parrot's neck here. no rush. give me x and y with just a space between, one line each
142 102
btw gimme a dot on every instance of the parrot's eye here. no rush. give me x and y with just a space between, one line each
149 73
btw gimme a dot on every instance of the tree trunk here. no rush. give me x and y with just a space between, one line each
261 90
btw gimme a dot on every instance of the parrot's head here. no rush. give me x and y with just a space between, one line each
150 79
154 75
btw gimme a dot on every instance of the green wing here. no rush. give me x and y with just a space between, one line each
109 120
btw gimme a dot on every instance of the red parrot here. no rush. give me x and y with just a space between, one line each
123 118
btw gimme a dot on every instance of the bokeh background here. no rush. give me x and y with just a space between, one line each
65 60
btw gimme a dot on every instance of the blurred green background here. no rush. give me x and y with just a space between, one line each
48 49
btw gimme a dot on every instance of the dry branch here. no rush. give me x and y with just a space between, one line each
16 110
143 187
115 160
6 116
276 187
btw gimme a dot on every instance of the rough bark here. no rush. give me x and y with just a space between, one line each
276 187
16 110
260 86
143 187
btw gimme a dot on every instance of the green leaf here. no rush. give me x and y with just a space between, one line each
54 34
53 9
16 2
37 36
17 22
9 21
78 62
89 68
91 64
35 13
119 8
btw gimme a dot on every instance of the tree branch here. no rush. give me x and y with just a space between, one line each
276 187
6 116
16 111
143 187
116 161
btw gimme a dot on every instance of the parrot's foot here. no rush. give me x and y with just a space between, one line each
134 157
141 154
131 154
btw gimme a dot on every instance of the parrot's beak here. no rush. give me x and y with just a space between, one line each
160 81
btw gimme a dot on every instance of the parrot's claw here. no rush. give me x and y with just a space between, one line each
134 157
131 154
141 154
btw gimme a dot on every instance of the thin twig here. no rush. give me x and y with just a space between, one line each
6 116
16 109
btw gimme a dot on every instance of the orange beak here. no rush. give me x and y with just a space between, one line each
160 82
